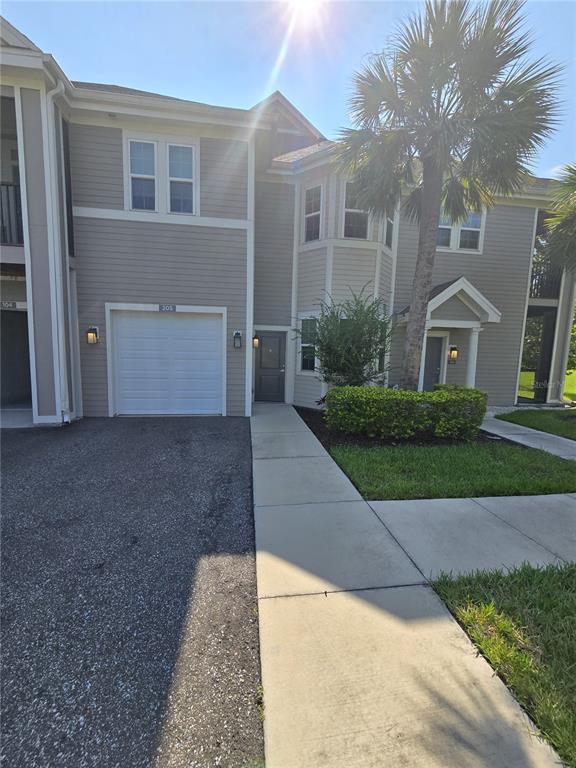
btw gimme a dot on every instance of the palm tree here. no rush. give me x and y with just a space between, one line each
561 238
451 115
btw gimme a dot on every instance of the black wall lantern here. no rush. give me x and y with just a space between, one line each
92 335
452 355
237 339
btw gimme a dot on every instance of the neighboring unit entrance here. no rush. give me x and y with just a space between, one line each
270 365
167 363
433 363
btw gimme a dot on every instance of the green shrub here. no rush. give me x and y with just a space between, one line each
447 413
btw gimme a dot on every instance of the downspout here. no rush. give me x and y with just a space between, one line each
57 249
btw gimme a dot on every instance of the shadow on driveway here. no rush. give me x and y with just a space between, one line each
129 621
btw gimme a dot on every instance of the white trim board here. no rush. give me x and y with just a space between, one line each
119 214
111 307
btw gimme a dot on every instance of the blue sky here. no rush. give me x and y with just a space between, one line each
227 52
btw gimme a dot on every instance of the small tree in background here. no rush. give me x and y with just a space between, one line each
351 339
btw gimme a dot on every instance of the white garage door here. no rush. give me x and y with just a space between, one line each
167 363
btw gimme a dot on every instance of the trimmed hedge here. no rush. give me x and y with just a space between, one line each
447 413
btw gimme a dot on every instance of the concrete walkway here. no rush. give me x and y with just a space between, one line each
532 438
362 665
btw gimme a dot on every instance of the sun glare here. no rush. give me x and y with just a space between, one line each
306 13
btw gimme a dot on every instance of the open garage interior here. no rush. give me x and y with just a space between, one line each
167 363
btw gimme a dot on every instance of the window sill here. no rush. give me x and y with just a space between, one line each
471 251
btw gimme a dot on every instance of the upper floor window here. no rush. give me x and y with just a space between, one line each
143 175
355 219
389 232
463 236
181 178
312 213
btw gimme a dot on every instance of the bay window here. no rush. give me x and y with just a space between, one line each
312 213
355 219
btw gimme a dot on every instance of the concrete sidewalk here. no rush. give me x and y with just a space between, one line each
532 438
362 664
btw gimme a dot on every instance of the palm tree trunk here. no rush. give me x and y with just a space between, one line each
416 326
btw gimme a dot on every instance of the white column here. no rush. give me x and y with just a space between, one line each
472 357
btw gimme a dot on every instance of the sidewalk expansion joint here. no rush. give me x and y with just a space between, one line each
327 592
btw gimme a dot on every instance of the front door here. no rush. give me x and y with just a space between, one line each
270 364
433 363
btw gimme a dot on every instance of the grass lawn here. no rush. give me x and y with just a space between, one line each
454 471
559 422
524 623
526 385
570 386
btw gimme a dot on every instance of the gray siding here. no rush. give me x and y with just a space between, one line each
453 309
456 373
138 262
353 269
38 229
385 286
501 272
64 258
273 253
223 178
311 279
96 166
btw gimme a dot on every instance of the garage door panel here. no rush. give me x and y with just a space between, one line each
168 363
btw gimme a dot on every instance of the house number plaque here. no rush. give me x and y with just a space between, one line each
167 307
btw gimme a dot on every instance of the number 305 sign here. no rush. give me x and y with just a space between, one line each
167 307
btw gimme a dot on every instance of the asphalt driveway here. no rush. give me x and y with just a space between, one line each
129 622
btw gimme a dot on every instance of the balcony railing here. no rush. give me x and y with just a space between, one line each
545 281
10 215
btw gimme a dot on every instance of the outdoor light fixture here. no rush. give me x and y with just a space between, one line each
452 355
255 341
92 334
237 339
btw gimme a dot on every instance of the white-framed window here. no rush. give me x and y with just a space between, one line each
465 236
312 213
308 344
143 173
388 232
355 219
180 178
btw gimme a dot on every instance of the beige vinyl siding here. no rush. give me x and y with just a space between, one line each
501 273
223 178
311 279
353 269
96 166
453 309
137 262
273 253
307 390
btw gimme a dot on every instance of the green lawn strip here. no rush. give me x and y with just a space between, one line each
560 422
454 471
524 623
